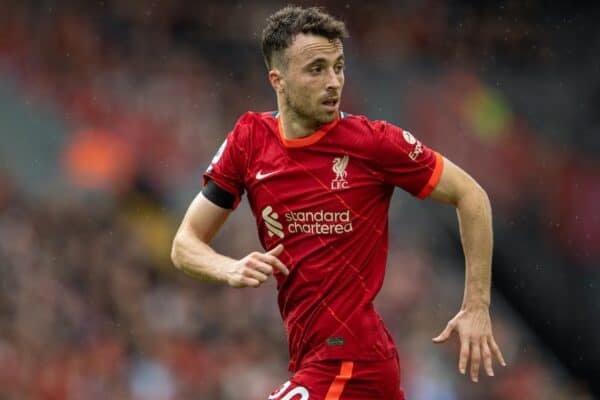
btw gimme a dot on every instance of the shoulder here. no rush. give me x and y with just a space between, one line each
362 124
252 121
256 117
374 136
252 130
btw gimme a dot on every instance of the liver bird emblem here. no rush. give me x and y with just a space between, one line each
339 167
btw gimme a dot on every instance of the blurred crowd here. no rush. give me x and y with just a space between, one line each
91 307
88 313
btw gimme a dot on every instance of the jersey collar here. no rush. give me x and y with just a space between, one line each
308 140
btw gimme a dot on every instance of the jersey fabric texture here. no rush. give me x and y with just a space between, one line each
326 198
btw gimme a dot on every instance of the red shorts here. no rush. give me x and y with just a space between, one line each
344 380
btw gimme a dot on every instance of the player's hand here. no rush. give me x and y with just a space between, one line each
255 268
474 329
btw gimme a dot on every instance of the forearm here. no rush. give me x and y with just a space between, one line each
198 260
472 322
475 222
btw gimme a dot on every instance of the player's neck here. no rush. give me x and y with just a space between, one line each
294 129
294 126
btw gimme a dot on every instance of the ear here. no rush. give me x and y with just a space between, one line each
277 80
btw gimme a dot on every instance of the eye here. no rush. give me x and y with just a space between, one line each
339 68
315 69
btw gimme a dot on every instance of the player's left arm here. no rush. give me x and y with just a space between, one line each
472 323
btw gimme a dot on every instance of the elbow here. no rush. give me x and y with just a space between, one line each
484 198
176 252
474 196
480 193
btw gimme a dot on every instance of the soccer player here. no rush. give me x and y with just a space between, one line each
319 183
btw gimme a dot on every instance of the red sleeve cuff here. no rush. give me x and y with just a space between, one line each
434 178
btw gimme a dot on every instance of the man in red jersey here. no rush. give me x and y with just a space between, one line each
319 183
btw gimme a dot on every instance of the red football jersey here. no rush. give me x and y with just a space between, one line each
326 198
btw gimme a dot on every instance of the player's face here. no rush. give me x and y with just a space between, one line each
314 78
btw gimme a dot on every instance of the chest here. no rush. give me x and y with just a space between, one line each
297 179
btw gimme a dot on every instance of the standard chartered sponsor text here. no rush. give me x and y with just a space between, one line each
319 222
309 222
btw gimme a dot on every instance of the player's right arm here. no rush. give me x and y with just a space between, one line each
192 254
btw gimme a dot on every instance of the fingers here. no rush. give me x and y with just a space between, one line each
256 267
464 355
497 352
487 357
442 337
477 344
478 350
262 267
245 281
255 274
271 259
277 250
475 360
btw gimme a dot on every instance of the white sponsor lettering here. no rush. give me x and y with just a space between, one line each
319 229
318 216
311 222
417 151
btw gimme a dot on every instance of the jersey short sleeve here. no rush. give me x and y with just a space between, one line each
227 167
405 161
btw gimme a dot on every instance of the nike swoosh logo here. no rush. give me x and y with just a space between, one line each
260 175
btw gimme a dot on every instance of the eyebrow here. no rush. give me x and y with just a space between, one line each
323 59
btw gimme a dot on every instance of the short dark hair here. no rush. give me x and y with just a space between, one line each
283 26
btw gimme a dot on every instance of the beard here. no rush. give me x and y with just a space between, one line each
300 106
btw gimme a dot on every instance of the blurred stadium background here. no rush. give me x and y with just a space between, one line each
111 110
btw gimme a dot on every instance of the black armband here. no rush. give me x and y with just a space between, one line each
217 195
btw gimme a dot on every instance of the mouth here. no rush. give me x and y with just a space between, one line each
331 103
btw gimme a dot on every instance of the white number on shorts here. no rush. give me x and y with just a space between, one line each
291 395
280 391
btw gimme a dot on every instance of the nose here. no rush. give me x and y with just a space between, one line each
333 80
